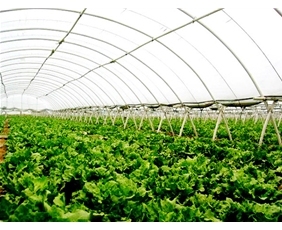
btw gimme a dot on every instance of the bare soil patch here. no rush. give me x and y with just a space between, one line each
3 148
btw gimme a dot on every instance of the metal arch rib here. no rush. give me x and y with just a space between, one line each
86 93
75 64
103 90
42 86
198 51
103 65
68 93
130 89
194 71
170 49
27 63
278 11
133 50
254 43
59 73
49 74
149 42
107 64
53 103
74 11
111 86
108 43
76 55
15 58
115 60
77 87
142 83
230 50
55 49
65 61
83 47
50 70
19 9
160 77
148 35
86 87
11 59
19 94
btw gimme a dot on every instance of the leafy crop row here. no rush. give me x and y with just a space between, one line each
62 170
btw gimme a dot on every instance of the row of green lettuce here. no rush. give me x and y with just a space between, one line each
62 170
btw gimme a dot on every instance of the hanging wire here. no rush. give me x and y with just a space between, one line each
144 44
3 85
54 50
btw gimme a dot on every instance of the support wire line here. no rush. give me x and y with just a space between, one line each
140 46
54 50
3 86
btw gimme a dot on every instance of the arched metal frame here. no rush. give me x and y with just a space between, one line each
63 74
55 103
141 81
76 55
46 86
57 77
89 70
117 60
231 51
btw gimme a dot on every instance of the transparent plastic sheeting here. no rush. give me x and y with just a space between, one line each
68 58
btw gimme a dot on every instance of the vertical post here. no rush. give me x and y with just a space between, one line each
279 120
105 117
85 116
268 117
160 124
133 117
90 118
110 112
151 123
221 117
265 125
217 125
183 123
126 120
276 130
169 123
193 126
97 115
115 116
142 118
226 126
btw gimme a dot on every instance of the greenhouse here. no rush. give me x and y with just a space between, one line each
141 115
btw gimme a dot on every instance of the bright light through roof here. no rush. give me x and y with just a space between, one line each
66 58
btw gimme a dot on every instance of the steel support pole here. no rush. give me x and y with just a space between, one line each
268 117
221 117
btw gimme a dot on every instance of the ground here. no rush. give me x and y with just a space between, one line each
3 148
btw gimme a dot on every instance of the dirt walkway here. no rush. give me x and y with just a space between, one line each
3 148
3 138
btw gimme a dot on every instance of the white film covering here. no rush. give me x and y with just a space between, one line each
70 58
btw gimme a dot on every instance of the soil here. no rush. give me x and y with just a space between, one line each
3 138
3 148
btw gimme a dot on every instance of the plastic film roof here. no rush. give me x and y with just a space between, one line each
66 58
